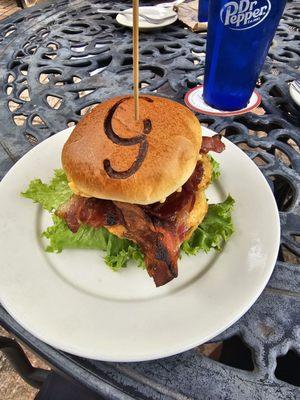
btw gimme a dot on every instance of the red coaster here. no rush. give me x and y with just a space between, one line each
194 100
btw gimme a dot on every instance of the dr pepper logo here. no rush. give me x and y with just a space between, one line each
244 14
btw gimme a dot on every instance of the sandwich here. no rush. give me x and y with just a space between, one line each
141 183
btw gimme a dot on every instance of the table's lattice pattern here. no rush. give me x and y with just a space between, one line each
59 59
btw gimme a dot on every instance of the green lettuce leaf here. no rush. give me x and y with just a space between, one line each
118 251
61 237
50 196
216 172
214 231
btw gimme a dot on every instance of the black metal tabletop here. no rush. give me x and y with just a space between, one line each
60 58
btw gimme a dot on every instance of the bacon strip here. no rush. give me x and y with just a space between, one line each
89 211
212 143
159 241
158 244
178 201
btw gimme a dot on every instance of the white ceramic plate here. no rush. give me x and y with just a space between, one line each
150 11
74 302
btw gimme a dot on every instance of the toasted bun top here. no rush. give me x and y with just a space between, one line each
110 156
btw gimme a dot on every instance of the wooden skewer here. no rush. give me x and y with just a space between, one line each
136 58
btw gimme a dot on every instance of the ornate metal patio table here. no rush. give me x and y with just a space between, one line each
60 58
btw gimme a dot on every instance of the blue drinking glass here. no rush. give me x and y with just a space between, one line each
203 10
240 33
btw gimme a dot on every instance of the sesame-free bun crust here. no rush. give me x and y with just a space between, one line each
173 145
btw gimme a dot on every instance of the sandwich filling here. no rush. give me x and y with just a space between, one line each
160 228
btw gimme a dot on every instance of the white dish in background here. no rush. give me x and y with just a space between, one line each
150 11
295 95
74 302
